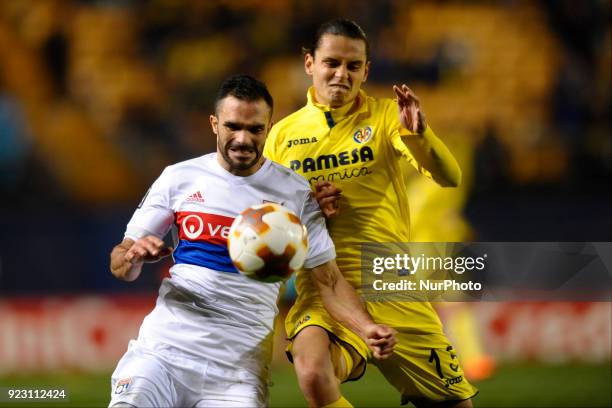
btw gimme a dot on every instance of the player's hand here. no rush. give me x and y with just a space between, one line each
147 249
410 114
381 340
327 195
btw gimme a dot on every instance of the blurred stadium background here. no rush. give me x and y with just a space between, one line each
96 97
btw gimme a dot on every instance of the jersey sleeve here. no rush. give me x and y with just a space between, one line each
320 245
425 152
154 215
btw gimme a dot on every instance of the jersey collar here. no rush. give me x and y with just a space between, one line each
335 115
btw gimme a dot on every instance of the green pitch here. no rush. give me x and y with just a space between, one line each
512 386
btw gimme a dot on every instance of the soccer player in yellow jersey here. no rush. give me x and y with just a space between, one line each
345 141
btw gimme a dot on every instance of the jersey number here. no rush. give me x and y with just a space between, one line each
433 357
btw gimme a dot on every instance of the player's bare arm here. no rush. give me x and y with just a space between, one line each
328 196
128 257
429 151
342 302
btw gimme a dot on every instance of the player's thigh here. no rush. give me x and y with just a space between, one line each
310 349
315 350
142 381
310 312
225 385
426 369
237 395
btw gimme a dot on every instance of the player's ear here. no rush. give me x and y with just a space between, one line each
308 63
214 123
367 71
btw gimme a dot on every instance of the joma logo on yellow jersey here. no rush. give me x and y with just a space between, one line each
301 141
331 161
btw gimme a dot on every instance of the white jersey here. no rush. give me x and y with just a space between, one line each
234 315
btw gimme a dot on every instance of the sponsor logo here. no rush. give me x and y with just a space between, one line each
192 226
331 161
453 380
197 196
302 320
196 226
342 175
122 385
362 135
301 141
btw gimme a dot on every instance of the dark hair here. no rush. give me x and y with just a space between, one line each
339 26
245 88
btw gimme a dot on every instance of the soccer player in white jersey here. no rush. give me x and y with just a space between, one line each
208 340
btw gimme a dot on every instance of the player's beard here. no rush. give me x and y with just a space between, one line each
244 147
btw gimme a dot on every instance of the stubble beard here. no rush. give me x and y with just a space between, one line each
238 165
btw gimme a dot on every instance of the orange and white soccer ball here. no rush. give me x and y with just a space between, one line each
267 242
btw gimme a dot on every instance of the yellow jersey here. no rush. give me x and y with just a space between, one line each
359 147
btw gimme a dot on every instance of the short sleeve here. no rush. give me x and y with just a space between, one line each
320 245
154 215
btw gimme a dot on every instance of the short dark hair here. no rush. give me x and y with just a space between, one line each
245 88
339 26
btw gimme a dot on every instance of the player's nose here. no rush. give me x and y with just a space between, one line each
341 72
242 136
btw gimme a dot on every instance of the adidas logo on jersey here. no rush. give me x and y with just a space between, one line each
197 197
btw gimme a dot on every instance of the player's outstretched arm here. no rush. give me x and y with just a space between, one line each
430 152
128 257
342 302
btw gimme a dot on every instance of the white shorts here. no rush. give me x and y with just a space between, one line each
159 377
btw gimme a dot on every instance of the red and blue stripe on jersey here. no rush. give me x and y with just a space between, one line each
203 240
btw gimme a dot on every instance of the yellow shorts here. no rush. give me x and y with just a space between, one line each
424 365
345 343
